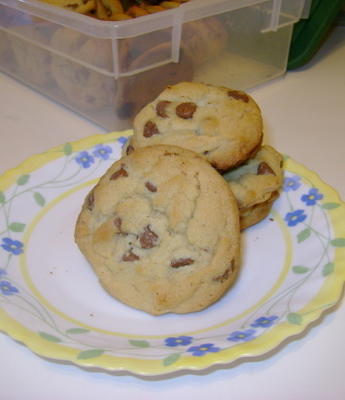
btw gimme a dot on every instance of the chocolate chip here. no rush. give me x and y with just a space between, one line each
117 223
148 238
186 110
161 108
90 201
150 129
129 149
226 274
151 187
264 169
121 172
236 94
130 256
222 278
181 262
170 153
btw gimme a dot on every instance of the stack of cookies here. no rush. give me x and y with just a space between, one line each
162 227
223 126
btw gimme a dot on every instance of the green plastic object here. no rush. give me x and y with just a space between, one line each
308 34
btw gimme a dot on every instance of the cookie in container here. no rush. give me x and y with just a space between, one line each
236 44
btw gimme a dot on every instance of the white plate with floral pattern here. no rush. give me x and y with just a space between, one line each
293 269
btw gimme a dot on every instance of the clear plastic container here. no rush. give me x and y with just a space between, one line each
107 71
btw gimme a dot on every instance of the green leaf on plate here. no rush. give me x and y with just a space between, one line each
23 179
40 200
328 269
339 242
299 269
171 359
2 197
139 343
16 227
330 206
76 331
303 235
49 337
295 318
84 355
67 149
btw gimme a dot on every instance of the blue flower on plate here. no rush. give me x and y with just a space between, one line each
122 140
295 217
178 341
242 336
312 197
85 159
7 288
12 246
3 272
203 349
102 151
264 322
291 183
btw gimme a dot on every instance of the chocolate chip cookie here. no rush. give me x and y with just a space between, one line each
256 185
222 125
161 231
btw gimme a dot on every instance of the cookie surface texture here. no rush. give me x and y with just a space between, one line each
161 231
222 125
256 185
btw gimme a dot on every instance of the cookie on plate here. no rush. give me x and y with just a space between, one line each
256 185
161 231
221 124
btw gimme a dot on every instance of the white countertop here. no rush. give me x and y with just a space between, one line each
304 113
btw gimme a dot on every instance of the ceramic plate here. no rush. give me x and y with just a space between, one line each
293 269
